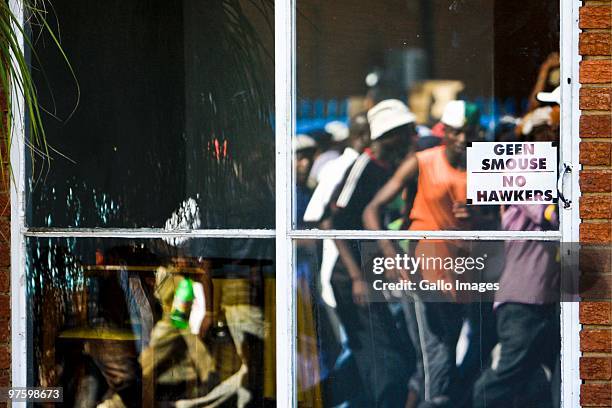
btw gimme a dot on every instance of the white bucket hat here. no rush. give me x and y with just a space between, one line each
388 115
303 142
338 130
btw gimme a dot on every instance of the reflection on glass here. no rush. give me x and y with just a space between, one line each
144 323
174 114
440 323
429 78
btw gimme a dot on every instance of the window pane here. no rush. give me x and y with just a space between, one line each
143 321
375 81
369 338
173 126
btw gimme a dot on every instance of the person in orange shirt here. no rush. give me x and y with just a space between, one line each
440 201
439 204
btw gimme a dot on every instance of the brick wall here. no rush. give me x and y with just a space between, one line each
596 203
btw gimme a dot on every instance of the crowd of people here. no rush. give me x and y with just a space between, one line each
385 171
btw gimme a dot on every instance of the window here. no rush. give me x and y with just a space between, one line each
182 162
179 107
167 180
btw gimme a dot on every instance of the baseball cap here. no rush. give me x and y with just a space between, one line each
388 115
457 114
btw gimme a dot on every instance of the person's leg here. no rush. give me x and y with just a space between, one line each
351 323
416 381
377 346
536 390
117 361
481 338
523 332
389 356
439 327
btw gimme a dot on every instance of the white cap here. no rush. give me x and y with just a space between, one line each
454 114
388 115
551 97
338 130
304 142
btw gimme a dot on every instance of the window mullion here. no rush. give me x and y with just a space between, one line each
286 330
145 233
466 235
19 334
570 217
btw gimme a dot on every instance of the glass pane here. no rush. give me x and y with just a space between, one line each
449 323
175 109
376 121
144 322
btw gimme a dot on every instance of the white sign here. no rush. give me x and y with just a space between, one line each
511 173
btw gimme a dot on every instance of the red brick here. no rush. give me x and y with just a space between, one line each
596 126
5 204
596 395
5 179
5 357
596 71
596 181
595 206
595 258
596 368
591 232
5 378
596 313
595 98
5 254
595 17
5 281
5 308
5 332
595 43
596 287
596 340
595 153
5 230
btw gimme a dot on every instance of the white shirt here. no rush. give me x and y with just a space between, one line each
330 177
320 162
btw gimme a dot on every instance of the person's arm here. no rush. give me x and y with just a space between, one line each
343 251
542 214
371 215
207 285
479 217
552 61
359 287
348 260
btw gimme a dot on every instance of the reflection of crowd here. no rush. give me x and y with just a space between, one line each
408 176
106 331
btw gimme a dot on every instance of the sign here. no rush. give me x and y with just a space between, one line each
511 173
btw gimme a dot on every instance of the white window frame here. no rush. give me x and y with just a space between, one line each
284 233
